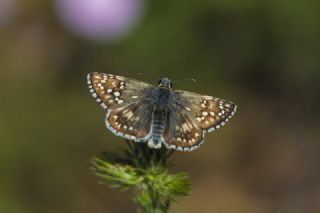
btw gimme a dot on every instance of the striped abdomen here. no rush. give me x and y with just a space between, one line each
158 123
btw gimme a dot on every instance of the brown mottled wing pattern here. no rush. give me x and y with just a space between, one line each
211 113
126 100
191 116
113 91
182 131
132 122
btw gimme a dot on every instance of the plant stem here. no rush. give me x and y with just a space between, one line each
146 171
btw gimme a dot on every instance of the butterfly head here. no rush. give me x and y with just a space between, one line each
165 83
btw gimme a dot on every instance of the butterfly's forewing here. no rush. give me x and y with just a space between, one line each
182 131
113 91
126 100
211 113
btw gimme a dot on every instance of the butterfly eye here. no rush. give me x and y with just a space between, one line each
159 82
170 84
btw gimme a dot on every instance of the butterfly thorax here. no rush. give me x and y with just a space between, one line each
163 99
163 94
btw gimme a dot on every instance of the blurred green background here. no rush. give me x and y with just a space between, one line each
262 55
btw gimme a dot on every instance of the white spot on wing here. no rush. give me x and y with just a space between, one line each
204 113
129 114
119 78
104 105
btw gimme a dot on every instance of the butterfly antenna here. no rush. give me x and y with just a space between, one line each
185 79
151 77
191 79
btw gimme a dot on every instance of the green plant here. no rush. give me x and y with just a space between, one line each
145 171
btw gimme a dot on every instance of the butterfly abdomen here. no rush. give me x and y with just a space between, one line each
158 123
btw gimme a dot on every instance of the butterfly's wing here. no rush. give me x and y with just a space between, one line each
113 91
210 112
132 121
191 116
182 131
127 101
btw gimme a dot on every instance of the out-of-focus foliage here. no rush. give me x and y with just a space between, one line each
262 55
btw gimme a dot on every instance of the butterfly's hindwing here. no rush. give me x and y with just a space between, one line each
211 113
113 91
132 121
182 132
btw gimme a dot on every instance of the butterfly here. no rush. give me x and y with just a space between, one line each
157 115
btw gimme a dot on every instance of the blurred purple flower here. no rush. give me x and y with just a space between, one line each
7 9
100 19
